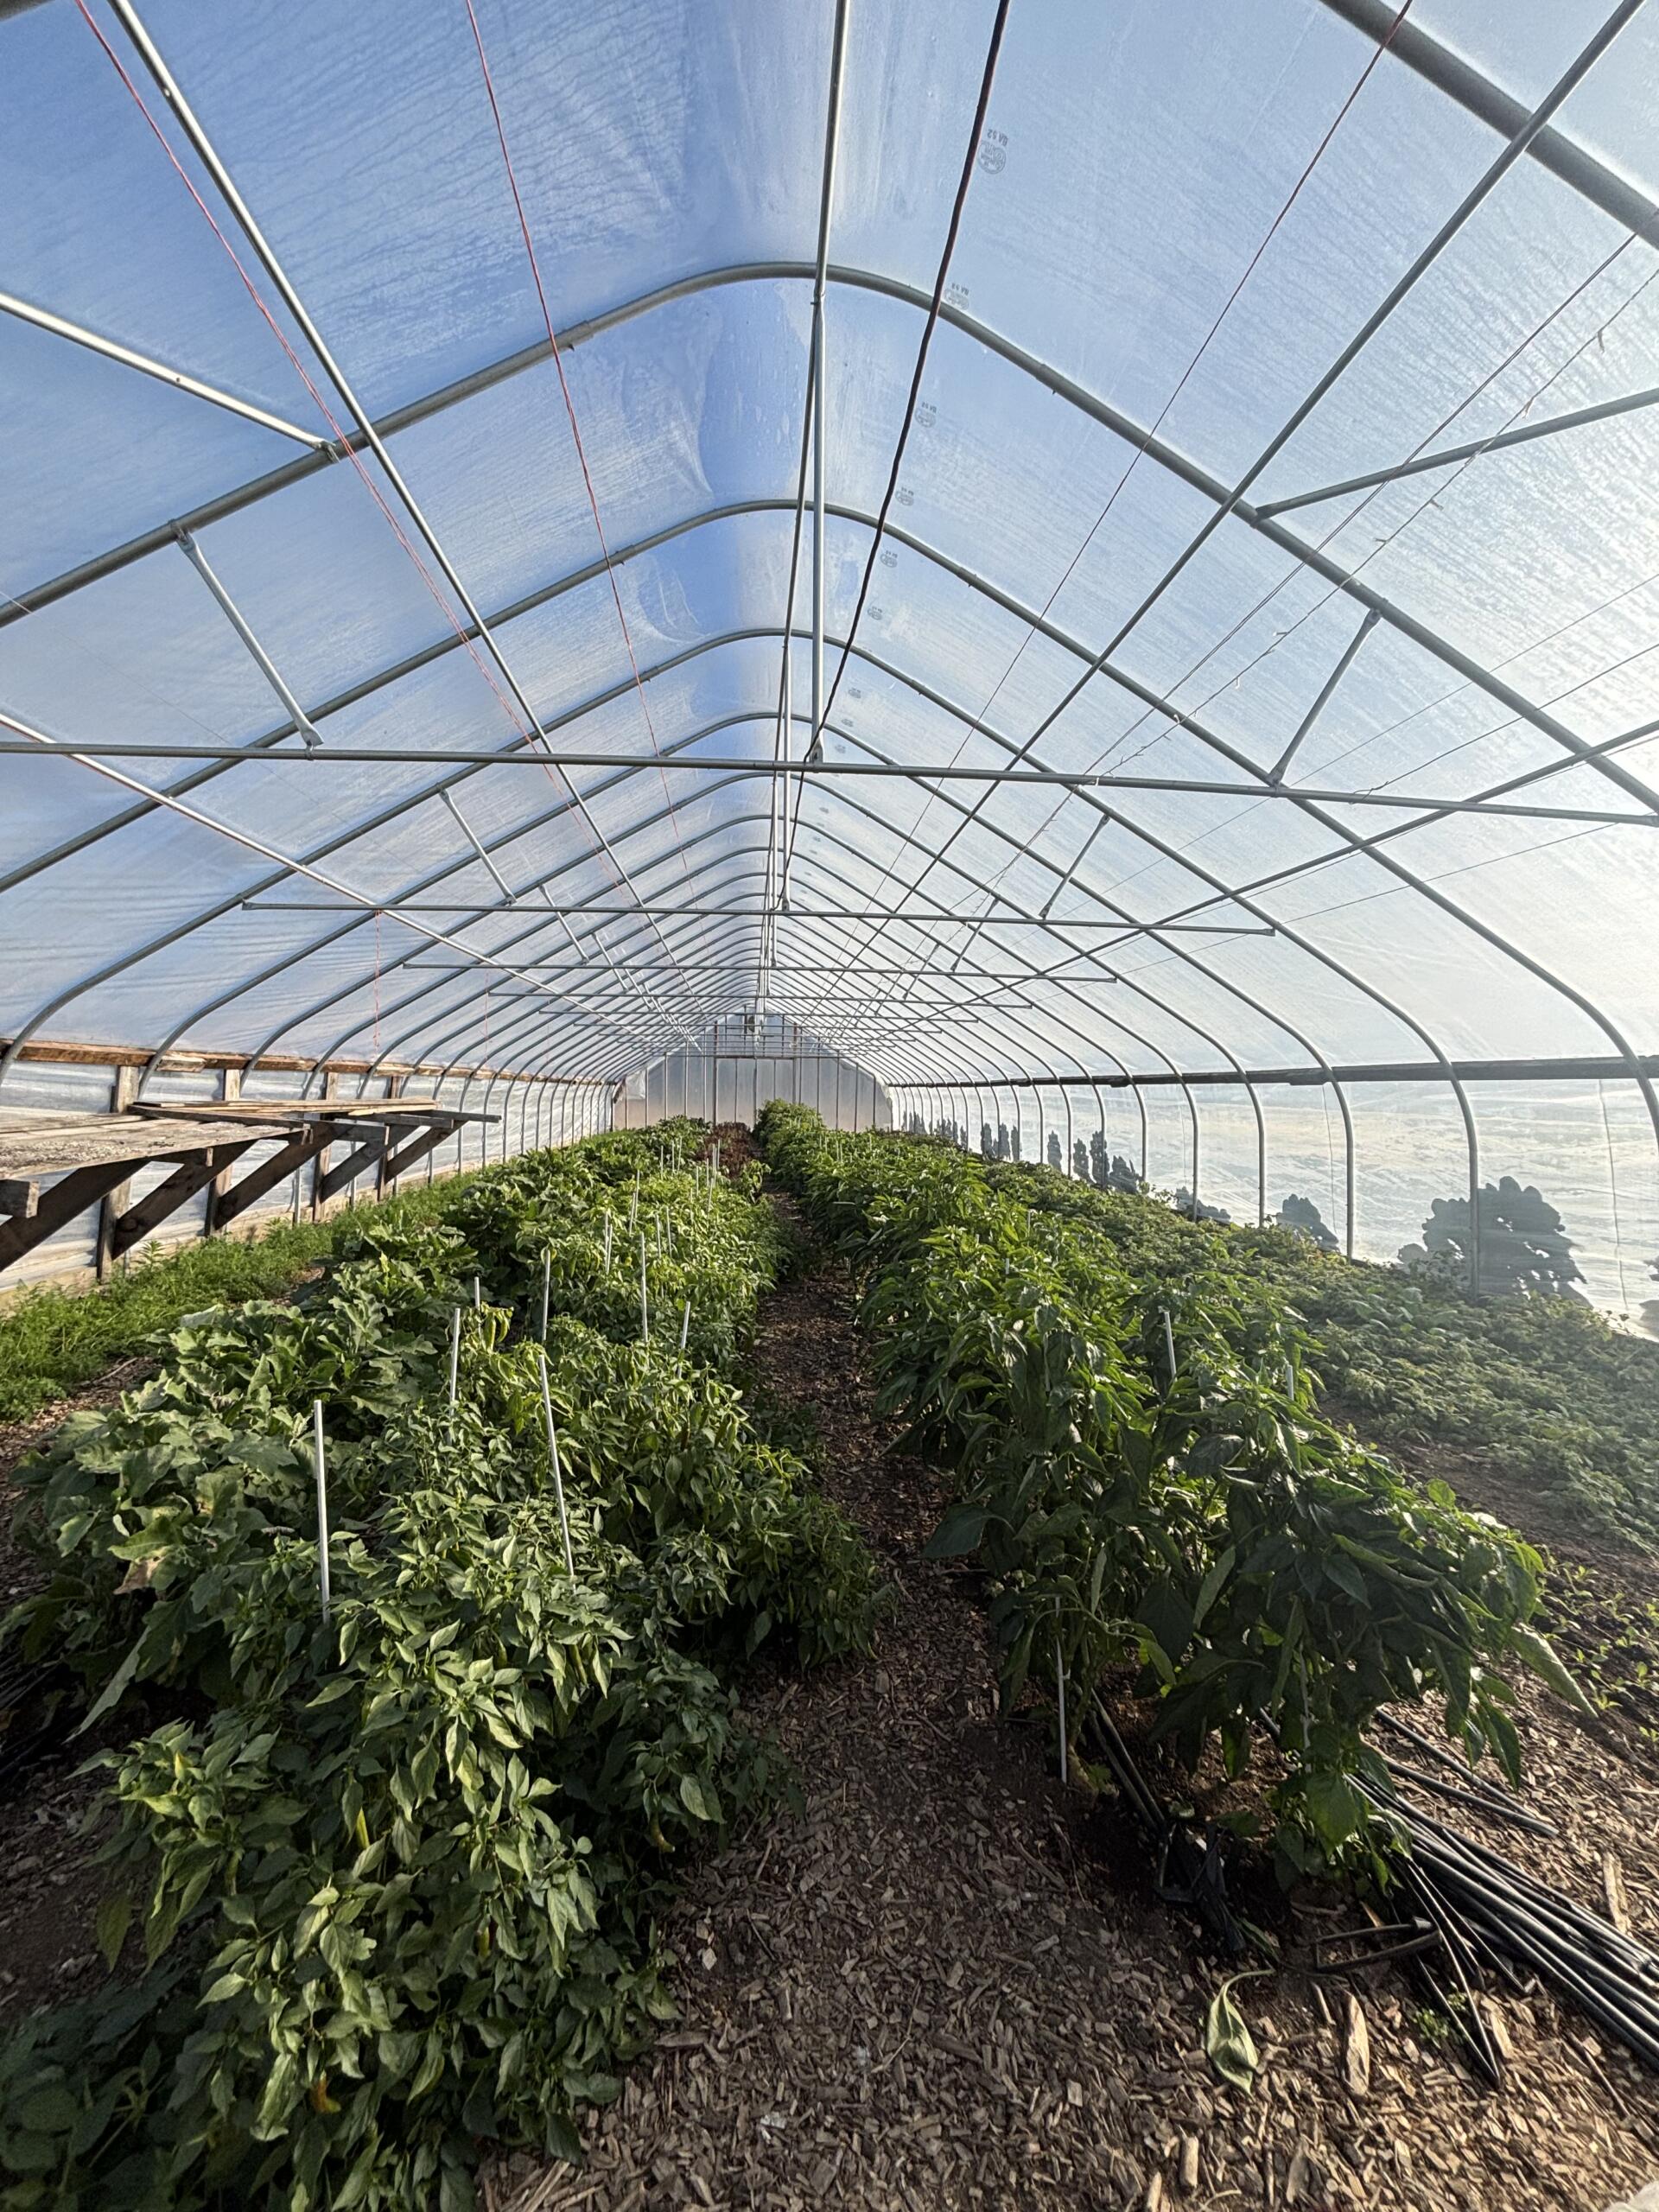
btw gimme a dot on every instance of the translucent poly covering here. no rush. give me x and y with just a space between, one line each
1359 838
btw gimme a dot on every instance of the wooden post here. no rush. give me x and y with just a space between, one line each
230 1086
330 1090
394 1089
123 1090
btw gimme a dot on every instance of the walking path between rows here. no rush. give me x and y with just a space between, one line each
927 1991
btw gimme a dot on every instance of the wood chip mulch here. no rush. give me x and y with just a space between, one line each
927 1990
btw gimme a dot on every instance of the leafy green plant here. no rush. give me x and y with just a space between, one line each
54 1341
400 1890
1146 1477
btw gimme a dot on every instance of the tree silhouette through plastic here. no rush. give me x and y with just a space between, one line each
1524 1246
1304 1217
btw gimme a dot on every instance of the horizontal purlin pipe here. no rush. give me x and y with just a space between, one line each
1601 1069
396 908
1073 780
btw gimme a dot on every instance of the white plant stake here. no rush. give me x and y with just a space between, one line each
685 1324
1060 1679
608 1242
547 1288
454 1356
323 1508
553 1461
478 1292
644 1307
1169 1344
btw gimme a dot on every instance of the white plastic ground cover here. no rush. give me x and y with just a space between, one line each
1176 223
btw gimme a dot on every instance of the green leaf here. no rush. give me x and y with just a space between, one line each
699 1800
1341 1570
1546 1662
1209 1588
961 1531
114 1918
1227 2040
1334 1805
114 1689
49 2110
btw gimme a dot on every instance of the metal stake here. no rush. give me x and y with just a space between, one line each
608 1242
685 1324
323 1508
477 1294
553 1461
1169 1344
645 1307
454 1356
547 1287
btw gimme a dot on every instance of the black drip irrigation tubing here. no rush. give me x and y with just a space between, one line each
1480 1915
1498 1909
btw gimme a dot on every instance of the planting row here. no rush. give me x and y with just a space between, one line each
394 1873
1146 1477
1567 1401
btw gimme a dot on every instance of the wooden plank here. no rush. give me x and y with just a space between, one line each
127 1140
166 1197
286 1110
84 1188
304 1144
64 1051
26 1121
20 1194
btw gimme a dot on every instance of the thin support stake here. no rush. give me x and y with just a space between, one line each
1169 1344
1059 1684
478 1292
553 1461
547 1289
322 1509
685 1324
454 1356
608 1242
644 1304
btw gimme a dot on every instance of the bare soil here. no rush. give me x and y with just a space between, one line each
948 1984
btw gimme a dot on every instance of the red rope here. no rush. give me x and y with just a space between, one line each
571 411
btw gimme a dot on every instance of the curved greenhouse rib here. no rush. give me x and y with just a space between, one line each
991 827
931 941
545 593
1123 426
1415 1027
207 153
366 687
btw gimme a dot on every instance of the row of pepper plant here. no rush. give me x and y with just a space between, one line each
390 1886
1147 1478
